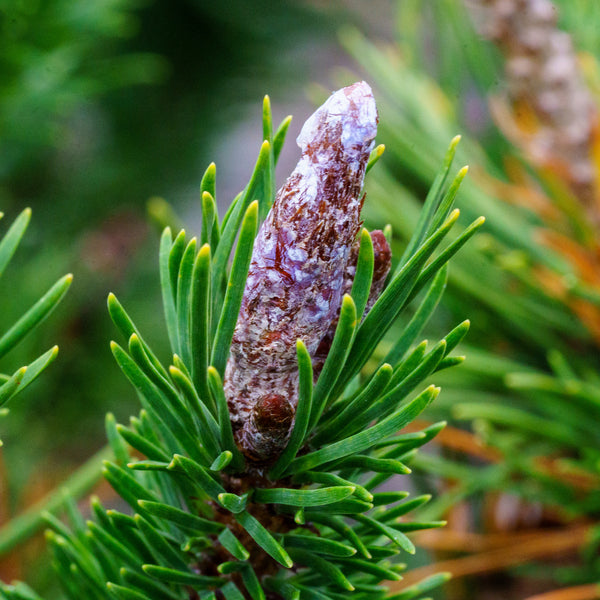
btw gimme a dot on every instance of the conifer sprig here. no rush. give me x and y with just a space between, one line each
206 522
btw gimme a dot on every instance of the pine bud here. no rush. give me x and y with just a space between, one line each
298 269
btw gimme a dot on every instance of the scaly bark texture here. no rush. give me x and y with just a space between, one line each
550 110
298 269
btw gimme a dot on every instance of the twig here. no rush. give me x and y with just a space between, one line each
514 552
580 592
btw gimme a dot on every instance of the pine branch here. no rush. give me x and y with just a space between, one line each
214 517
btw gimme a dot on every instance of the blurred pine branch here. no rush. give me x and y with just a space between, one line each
529 283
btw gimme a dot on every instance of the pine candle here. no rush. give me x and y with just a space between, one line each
303 262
